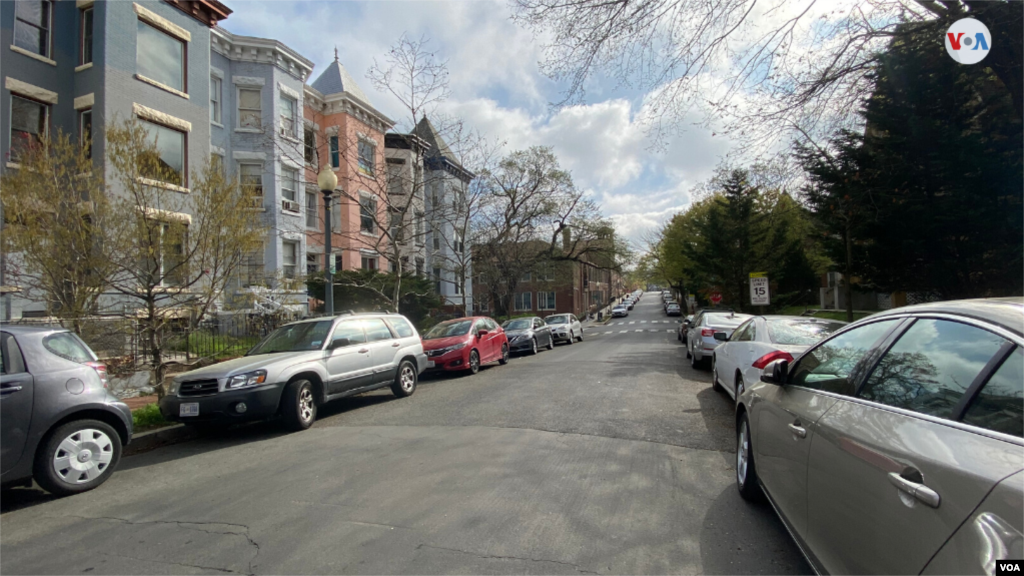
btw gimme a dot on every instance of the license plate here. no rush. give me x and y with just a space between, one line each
430 363
189 409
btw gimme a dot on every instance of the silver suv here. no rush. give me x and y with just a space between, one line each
300 366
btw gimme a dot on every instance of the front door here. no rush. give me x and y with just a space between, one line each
348 358
889 478
785 421
16 391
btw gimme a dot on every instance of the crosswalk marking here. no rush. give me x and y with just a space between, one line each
645 322
638 330
623 331
632 322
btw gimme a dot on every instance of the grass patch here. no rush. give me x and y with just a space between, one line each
217 346
147 418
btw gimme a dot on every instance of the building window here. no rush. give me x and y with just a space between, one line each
436 235
85 131
481 306
419 266
28 124
250 108
437 280
250 176
169 165
216 85
289 256
367 153
420 232
460 246
85 49
218 164
458 288
335 155
309 146
369 263
160 57
336 214
523 301
250 273
312 263
287 111
311 210
545 300
396 225
289 183
32 26
367 214
167 267
526 277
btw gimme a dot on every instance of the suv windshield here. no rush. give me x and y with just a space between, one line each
449 329
520 324
801 332
555 320
294 338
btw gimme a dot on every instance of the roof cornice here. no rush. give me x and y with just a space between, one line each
209 12
260 50
346 102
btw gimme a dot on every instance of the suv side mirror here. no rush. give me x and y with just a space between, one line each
339 343
721 337
776 372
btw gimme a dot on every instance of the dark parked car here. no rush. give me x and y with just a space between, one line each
896 446
528 334
673 309
60 424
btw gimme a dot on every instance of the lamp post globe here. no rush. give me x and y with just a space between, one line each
328 182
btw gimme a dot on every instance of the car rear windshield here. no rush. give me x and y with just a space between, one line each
68 346
801 332
726 320
294 338
449 329
520 324
555 320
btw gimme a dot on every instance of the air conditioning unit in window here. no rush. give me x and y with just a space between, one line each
290 205
256 201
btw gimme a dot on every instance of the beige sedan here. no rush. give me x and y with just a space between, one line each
895 446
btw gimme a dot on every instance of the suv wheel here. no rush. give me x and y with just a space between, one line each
298 405
77 457
746 473
405 380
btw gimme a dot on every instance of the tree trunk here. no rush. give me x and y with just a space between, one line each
155 349
397 294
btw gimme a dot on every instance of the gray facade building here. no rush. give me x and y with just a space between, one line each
404 156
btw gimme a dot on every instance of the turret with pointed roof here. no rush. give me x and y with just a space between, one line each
439 155
336 80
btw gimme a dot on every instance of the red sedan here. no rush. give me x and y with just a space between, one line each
465 344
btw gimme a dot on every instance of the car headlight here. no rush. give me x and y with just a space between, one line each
172 388
246 380
444 351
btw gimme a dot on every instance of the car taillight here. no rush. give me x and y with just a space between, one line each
763 361
100 369
707 332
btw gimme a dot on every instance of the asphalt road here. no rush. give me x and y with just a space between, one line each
610 456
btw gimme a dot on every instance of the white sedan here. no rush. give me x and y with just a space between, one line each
760 340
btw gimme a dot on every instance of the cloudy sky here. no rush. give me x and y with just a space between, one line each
497 87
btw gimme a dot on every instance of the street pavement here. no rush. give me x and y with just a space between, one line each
610 456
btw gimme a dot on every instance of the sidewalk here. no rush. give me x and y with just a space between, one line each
139 402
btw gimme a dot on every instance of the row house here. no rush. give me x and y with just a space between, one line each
343 130
579 288
76 65
404 156
255 115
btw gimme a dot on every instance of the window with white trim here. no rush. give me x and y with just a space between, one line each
216 87
169 165
367 214
523 301
286 109
250 108
309 146
312 216
28 124
32 19
545 300
161 255
85 36
85 131
160 57
289 183
250 176
367 156
369 263
437 280
289 256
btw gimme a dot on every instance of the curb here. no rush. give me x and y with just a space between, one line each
152 439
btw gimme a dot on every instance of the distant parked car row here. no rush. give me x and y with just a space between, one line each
908 422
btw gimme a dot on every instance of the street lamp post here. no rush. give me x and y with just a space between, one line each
327 181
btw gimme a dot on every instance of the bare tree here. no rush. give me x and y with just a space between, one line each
171 253
769 71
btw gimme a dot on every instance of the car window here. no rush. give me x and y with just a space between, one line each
11 361
538 323
376 330
402 327
744 332
351 330
492 325
801 332
999 406
68 346
829 366
931 366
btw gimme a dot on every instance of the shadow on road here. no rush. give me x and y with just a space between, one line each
18 498
740 537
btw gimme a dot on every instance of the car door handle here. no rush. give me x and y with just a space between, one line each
363 350
396 344
9 389
798 430
923 493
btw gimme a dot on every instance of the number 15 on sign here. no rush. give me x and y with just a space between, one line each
759 291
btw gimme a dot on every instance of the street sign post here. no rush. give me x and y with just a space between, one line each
759 295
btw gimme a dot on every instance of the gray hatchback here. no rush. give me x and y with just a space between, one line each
59 422
896 446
